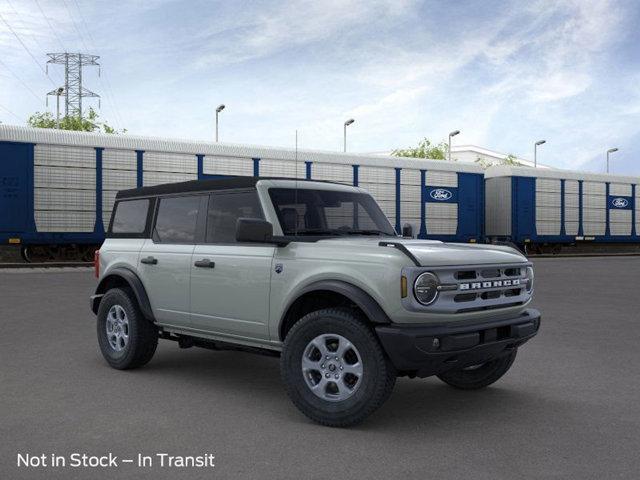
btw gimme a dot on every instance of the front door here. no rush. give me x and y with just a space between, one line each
230 280
165 259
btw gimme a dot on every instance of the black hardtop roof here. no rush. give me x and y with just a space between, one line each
206 185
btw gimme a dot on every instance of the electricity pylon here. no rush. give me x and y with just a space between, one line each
73 90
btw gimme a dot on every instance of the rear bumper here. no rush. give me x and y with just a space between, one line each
426 350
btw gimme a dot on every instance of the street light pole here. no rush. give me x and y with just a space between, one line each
59 92
452 134
611 150
535 152
346 124
218 110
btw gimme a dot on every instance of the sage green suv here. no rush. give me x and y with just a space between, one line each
312 272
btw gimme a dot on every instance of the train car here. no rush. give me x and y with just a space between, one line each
58 187
543 210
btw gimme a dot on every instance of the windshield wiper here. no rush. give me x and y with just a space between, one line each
318 232
339 232
368 232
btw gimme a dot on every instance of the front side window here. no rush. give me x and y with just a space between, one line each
130 216
176 220
328 212
224 211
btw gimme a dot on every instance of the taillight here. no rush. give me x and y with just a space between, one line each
96 263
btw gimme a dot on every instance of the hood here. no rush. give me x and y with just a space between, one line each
434 253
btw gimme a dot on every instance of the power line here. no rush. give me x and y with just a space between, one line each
75 25
26 48
106 85
10 112
25 28
20 80
55 33
109 91
84 23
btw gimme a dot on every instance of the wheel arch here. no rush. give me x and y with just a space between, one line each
123 277
330 293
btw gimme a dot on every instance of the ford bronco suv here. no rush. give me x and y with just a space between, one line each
315 273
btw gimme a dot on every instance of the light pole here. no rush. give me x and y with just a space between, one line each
535 152
218 110
611 150
346 124
59 92
452 134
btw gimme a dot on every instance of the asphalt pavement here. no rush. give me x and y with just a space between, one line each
569 407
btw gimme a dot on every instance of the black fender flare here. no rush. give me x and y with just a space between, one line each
365 302
133 281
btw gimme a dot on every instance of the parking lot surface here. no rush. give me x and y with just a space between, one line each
569 408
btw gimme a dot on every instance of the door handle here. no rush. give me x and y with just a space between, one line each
149 260
204 263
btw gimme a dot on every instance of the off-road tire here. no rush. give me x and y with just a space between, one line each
482 376
378 377
143 335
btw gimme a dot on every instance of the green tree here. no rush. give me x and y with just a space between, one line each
510 160
90 123
425 149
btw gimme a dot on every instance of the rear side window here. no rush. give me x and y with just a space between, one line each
176 220
130 216
224 211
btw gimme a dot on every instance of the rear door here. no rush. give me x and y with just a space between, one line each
164 263
14 166
230 280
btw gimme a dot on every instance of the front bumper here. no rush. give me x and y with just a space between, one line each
425 350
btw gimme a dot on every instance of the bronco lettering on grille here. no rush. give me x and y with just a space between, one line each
490 284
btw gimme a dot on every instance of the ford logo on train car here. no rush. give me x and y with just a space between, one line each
440 194
620 202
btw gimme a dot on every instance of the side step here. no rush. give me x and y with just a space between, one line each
187 341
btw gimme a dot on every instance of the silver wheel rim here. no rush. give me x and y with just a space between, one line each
117 327
332 367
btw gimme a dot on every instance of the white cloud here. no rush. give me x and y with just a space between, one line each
287 25
404 70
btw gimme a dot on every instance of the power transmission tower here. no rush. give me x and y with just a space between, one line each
73 90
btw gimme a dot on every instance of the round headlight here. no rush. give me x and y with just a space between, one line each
425 288
529 279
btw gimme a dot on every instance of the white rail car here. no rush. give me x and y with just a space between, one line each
554 207
58 187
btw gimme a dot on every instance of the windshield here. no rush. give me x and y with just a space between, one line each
328 212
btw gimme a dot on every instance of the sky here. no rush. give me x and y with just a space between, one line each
503 73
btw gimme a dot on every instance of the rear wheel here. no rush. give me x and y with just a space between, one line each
479 376
127 340
334 369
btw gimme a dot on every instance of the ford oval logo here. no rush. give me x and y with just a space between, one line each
440 194
620 202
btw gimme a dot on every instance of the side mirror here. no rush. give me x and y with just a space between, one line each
407 230
253 230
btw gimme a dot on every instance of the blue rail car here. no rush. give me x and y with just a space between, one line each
58 187
550 208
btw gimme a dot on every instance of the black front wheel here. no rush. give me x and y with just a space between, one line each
479 376
334 369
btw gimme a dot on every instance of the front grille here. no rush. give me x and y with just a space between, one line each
465 289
